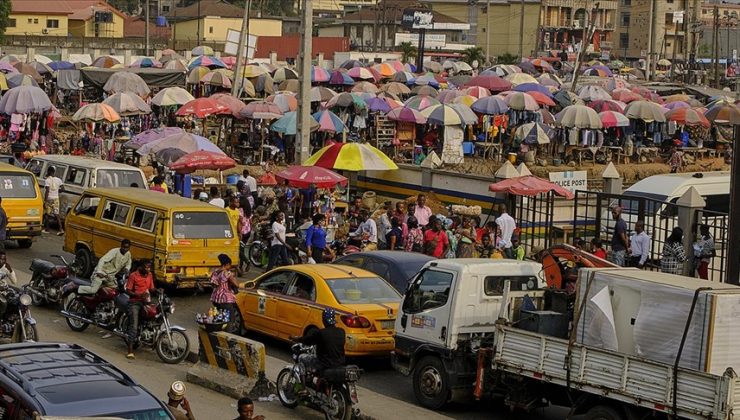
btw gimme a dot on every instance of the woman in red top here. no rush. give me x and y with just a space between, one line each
435 240
597 248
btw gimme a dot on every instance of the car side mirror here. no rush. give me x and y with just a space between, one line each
249 285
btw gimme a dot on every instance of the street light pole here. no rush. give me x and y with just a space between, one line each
488 31
146 24
303 133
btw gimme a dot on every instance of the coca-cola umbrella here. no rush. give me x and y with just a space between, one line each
304 176
202 108
530 186
202 159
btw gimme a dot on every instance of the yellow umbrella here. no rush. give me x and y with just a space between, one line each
351 157
253 70
3 82
520 78
196 74
465 99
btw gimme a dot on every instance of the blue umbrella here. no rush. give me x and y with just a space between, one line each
536 87
339 78
288 124
404 77
329 121
206 61
426 80
61 65
490 105
378 104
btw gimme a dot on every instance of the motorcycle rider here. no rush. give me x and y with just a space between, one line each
139 286
6 271
112 263
367 232
329 343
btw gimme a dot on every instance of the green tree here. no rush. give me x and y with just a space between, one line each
408 51
508 59
5 8
473 54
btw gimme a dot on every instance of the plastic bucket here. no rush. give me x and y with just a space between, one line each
232 179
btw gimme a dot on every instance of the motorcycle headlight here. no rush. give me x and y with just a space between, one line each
25 300
172 308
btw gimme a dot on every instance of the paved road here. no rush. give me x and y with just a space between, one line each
383 394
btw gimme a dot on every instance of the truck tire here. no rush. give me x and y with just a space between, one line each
603 412
431 384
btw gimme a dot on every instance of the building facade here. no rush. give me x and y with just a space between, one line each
563 24
37 17
210 21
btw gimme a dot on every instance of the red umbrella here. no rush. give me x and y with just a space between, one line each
304 176
202 160
602 106
261 110
229 101
202 107
492 83
541 98
687 116
529 185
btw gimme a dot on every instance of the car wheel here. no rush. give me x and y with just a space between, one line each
603 412
84 262
25 243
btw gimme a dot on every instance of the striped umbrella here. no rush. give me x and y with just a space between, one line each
533 87
321 94
503 70
196 74
341 78
533 133
365 87
105 62
288 124
448 95
146 62
519 78
645 110
346 100
606 105
426 91
521 101
96 113
615 83
202 50
179 65
593 93
351 157
625 95
544 65
349 64
490 105
261 110
127 103
254 70
610 119
467 114
720 113
216 79
206 61
676 105
329 122
492 83
442 115
466 100
687 116
319 74
284 73
286 101
600 70
404 77
419 103
579 116
406 115
362 73
426 80
395 88
378 105
477 91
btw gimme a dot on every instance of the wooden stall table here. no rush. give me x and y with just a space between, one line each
696 152
489 149
647 154
578 152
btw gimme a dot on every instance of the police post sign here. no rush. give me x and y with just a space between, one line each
571 180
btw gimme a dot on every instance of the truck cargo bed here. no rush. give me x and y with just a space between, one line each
626 378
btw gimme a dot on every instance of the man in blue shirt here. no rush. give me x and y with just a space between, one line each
316 239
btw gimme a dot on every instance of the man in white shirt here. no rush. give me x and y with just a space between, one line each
251 183
51 200
113 262
507 225
367 232
422 211
216 199
640 242
6 272
278 246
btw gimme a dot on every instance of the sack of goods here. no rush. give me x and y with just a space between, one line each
466 210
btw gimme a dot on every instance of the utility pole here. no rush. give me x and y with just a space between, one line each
146 26
303 133
198 33
375 27
651 42
488 31
521 30
732 269
241 53
588 33
715 46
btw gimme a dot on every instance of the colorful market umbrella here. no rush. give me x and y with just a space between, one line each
492 83
365 87
56 65
288 124
253 70
305 176
593 93
404 77
386 69
490 105
284 73
466 100
29 70
17 79
645 110
346 100
206 61
172 96
351 157
196 74
202 50
185 142
341 78
519 78
566 98
426 80
533 87
542 99
350 64
448 95
202 160
433 66
127 104
578 116
533 133
606 105
329 122
146 62
610 119
395 88
721 113
442 115
676 105
378 105
542 64
476 91
321 94
405 114
319 74
286 101
202 108
219 79
261 110
151 135
362 73
96 113
521 101
615 83
529 185
467 114
419 103
687 116
24 100
625 95
425 90
235 105
502 70
105 62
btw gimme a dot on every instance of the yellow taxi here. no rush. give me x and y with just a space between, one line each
23 204
288 301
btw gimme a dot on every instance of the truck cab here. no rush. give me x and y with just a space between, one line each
448 313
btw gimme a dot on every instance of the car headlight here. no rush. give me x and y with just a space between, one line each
25 300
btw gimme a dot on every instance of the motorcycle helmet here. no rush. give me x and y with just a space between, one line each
329 317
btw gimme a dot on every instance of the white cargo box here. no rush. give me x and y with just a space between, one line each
644 313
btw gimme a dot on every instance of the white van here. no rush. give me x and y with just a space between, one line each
79 173
714 187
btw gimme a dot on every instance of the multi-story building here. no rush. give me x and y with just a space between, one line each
563 24
210 20
671 22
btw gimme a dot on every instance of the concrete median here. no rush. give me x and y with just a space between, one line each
231 365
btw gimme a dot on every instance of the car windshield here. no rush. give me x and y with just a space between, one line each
652 203
201 225
363 290
157 414
119 178
14 185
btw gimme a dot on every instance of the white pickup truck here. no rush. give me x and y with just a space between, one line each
504 357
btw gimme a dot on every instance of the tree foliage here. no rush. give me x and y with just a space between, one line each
508 59
408 51
473 54
5 8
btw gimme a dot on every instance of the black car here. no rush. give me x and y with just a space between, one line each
396 267
7 159
68 380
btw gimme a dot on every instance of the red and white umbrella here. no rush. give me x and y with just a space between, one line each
613 119
304 176
202 159
202 108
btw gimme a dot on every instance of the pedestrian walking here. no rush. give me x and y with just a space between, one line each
394 237
676 160
176 398
52 185
673 255
224 285
414 241
620 244
139 286
466 243
250 182
316 238
507 224
278 246
436 242
3 225
704 251
640 246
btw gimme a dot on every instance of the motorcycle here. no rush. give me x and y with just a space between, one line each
108 309
16 321
342 247
334 393
259 249
169 341
47 280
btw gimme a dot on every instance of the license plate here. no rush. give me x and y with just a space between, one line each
388 324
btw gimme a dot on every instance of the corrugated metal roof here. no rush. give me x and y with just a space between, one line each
44 7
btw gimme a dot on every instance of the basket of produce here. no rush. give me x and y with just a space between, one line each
213 320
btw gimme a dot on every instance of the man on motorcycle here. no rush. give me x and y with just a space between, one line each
6 272
139 286
113 262
367 232
329 344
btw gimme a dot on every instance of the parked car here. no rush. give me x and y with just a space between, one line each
288 301
75 383
397 268
23 204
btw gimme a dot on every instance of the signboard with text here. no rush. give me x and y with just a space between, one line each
417 19
571 180
430 40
